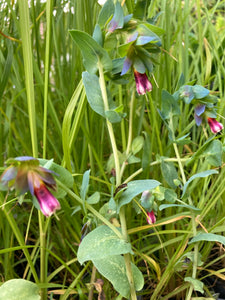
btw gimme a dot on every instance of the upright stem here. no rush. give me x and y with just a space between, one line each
195 260
118 182
43 265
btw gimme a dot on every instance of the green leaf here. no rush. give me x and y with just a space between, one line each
93 92
101 243
170 195
146 35
170 106
118 18
199 91
164 206
105 13
113 268
198 175
169 173
94 198
209 237
213 153
85 184
137 144
134 188
113 116
91 51
197 284
97 35
19 289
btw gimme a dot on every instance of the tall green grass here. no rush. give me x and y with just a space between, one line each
44 113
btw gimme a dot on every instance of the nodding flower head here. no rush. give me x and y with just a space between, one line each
151 219
142 83
25 174
214 125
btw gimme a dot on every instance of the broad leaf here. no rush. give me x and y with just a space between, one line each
169 173
213 153
210 237
113 268
199 91
134 188
93 92
198 175
170 105
105 13
197 284
91 51
101 243
164 206
19 289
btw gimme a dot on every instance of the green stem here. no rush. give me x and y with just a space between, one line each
118 181
130 131
43 265
109 125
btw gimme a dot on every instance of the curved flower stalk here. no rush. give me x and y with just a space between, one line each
26 175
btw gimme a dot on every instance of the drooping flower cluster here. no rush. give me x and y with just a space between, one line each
141 42
204 105
26 175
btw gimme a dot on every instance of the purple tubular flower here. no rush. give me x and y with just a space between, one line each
151 219
48 203
215 126
142 83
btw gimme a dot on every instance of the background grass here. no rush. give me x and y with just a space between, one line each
44 112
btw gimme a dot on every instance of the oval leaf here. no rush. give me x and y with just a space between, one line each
198 175
19 289
91 51
134 188
210 237
101 243
113 268
93 92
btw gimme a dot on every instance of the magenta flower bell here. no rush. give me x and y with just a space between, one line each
142 83
151 219
215 126
24 174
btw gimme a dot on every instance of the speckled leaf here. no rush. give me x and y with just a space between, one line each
210 237
101 243
19 289
134 188
113 268
93 92
197 284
